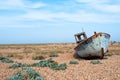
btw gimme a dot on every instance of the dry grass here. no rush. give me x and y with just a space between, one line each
114 48
108 70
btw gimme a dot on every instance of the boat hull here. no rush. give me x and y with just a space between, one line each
95 46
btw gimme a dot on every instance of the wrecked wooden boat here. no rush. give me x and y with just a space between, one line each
93 47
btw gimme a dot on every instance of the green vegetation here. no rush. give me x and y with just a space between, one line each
5 60
108 54
73 62
26 74
51 64
38 57
95 62
17 65
45 63
53 55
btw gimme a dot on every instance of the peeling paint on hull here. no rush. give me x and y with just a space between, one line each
95 46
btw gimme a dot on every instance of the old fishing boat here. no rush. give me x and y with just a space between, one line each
92 47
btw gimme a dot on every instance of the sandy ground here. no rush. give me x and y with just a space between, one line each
108 70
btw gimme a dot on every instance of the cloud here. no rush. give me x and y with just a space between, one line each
37 5
92 1
84 11
102 5
38 15
108 8
78 17
11 4
19 4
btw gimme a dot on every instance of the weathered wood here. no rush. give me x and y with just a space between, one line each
94 46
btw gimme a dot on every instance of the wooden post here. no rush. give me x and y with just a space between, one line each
102 53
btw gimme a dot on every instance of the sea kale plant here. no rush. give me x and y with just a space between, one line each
51 64
26 74
73 62
95 62
17 65
5 60
53 55
44 63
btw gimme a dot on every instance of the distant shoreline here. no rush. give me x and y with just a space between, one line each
37 43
